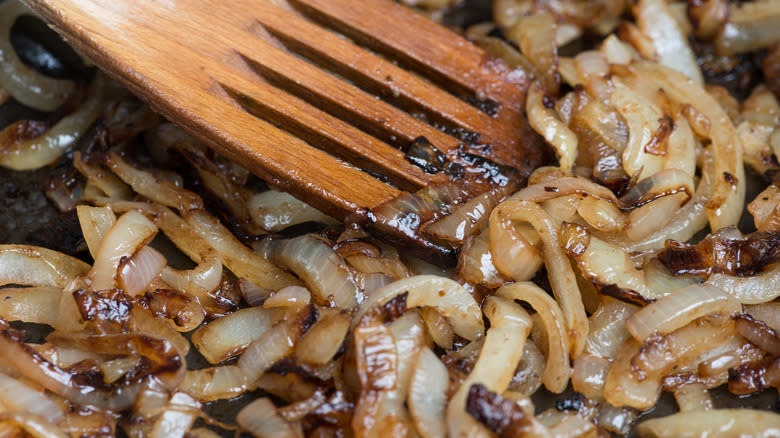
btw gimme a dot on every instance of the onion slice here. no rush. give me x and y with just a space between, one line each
718 422
428 394
262 420
35 266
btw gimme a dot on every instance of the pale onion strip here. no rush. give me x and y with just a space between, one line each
215 383
409 334
616 51
30 304
717 422
529 373
593 69
661 282
535 35
607 327
679 308
21 81
573 425
656 21
136 273
750 26
557 369
681 147
589 374
377 368
177 418
693 397
274 211
324 271
290 296
428 394
275 344
501 352
653 216
95 223
661 183
725 206
768 313
623 388
324 339
754 289
130 232
35 425
562 278
545 122
438 327
229 335
563 186
36 266
601 215
764 209
686 221
19 396
241 260
262 420
513 249
113 187
114 369
45 149
468 218
475 262
147 184
643 121
446 295
756 150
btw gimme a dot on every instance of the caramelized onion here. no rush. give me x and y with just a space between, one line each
262 420
274 211
428 394
324 339
725 422
758 333
35 266
544 121
656 21
228 336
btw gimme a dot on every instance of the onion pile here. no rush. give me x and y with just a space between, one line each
586 275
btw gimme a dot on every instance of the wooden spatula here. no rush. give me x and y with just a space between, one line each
318 97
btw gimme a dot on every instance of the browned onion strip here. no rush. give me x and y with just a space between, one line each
754 289
31 304
428 394
718 422
95 223
468 218
513 248
215 383
39 151
680 308
656 21
622 388
324 339
229 335
501 352
557 370
20 80
559 269
274 211
129 234
149 185
535 35
545 122
765 211
643 119
323 270
768 313
446 295
758 333
35 266
262 420
114 188
242 261
725 206
565 186
35 425
476 265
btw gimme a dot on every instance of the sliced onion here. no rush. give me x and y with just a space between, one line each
593 69
758 333
238 258
601 215
718 422
535 35
274 211
680 308
468 218
559 269
138 271
16 395
229 335
322 269
589 374
35 425
616 51
607 327
290 296
768 313
35 266
764 209
21 81
95 223
177 418
30 304
39 151
438 327
446 295
130 233
749 27
544 121
262 420
325 338
501 352
693 397
428 394
215 383
557 370
622 388
754 289
656 21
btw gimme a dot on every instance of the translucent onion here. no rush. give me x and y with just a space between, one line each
649 218
768 313
229 335
680 308
717 422
35 266
448 297
39 151
545 122
438 327
467 219
177 417
589 374
535 35
262 420
21 81
290 296
18 396
656 21
475 262
754 289
513 248
559 269
274 211
129 234
95 223
325 338
428 394
607 327
765 211
501 352
749 27
693 397
137 272
30 304
35 425
557 369
618 420
322 269
623 388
